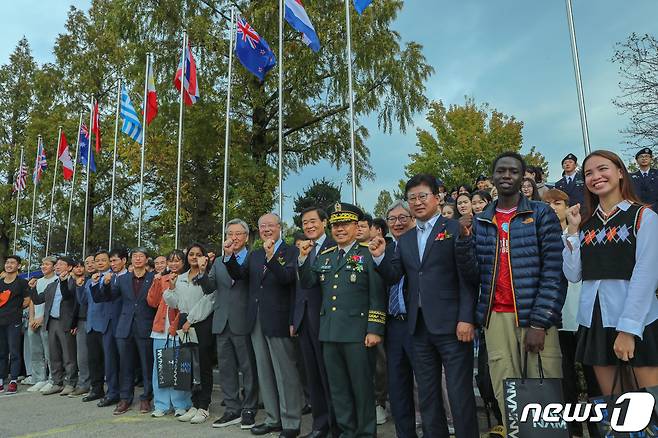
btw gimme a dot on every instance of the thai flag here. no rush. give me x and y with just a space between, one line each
190 86
296 16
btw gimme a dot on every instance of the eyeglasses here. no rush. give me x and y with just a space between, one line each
236 233
403 219
422 197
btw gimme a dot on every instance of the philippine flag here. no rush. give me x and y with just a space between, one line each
296 16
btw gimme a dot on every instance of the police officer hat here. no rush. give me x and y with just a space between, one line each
481 178
570 157
344 212
644 151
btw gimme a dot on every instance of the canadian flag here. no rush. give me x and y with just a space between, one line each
151 97
64 157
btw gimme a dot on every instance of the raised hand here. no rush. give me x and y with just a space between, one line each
268 245
172 280
107 278
305 248
465 225
80 281
573 219
202 261
32 283
64 276
96 277
228 247
377 246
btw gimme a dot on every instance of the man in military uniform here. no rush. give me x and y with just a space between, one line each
572 182
645 180
352 319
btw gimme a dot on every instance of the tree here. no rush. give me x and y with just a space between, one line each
323 194
536 158
384 200
638 66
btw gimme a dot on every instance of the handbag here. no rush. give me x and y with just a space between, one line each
165 363
542 392
187 366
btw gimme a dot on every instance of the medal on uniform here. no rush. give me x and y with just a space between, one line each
353 277
321 277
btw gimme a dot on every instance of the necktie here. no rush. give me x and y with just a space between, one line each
422 228
313 254
341 254
568 180
395 299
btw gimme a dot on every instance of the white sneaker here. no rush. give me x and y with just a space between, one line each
179 412
37 386
45 388
158 413
200 417
27 381
381 415
188 415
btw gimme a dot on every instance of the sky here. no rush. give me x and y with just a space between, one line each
512 54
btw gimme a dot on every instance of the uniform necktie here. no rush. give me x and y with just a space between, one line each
341 254
313 254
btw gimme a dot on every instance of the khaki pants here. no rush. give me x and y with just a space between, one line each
506 353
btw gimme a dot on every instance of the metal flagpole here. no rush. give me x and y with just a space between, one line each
227 134
351 97
52 191
84 227
579 82
280 108
180 136
114 161
141 166
34 203
18 200
75 167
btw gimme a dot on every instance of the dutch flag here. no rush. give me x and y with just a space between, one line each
296 16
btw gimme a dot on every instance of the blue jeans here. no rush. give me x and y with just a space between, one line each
165 398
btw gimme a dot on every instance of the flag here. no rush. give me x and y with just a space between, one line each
96 126
64 157
21 179
252 50
40 164
296 16
84 148
190 87
131 125
151 97
361 5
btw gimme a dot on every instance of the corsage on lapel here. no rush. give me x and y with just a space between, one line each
355 263
443 235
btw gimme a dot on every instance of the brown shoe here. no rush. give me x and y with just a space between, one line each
122 407
144 406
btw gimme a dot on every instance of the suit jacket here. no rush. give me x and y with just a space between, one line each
231 299
308 301
134 308
67 309
435 284
575 189
646 188
271 288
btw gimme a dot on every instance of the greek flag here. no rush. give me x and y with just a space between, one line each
131 125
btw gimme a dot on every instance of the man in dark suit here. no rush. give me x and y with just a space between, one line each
572 182
306 325
271 273
231 328
440 309
133 328
58 316
645 180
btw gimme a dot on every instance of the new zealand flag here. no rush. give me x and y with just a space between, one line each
252 50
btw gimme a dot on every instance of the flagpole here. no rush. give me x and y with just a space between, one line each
34 199
84 227
141 166
114 161
281 108
351 97
75 167
227 134
52 191
579 81
180 136
18 199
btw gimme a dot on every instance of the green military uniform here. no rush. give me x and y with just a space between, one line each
353 305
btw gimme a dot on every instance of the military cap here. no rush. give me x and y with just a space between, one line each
481 178
344 212
644 151
569 157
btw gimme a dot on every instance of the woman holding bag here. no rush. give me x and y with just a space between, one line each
164 329
196 310
613 250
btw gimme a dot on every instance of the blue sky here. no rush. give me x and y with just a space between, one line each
513 54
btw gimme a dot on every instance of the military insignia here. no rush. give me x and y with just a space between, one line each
353 277
338 207
355 263
321 277
282 261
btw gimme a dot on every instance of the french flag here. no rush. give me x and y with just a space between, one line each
296 16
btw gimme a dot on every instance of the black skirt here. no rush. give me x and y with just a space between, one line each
596 344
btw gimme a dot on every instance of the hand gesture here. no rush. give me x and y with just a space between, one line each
32 283
465 225
80 281
172 280
107 278
96 277
157 276
228 247
202 262
268 245
573 219
372 340
64 276
305 248
377 246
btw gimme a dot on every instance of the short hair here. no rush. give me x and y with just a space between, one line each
468 188
381 224
553 195
485 195
66 259
101 252
510 154
299 236
321 213
539 174
422 179
50 259
139 249
399 204
15 257
119 252
237 221
78 262
366 218
90 255
150 263
278 218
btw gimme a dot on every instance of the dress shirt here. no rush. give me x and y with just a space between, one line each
57 302
241 256
41 288
423 232
627 305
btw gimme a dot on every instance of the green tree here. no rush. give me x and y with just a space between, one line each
384 200
536 158
322 193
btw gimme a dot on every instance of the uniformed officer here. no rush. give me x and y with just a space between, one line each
645 180
352 319
572 182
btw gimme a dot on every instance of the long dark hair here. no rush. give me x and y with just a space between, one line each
535 191
194 245
625 184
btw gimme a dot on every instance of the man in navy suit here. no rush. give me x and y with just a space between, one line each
440 309
133 328
306 325
572 182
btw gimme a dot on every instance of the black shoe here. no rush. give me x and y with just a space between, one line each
264 429
248 419
306 410
289 433
228 419
91 396
104 402
317 434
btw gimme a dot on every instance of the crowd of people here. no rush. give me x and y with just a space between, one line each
377 311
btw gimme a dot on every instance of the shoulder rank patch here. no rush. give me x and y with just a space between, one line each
328 250
377 316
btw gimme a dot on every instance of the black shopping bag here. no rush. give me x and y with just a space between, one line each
165 363
541 392
188 375
615 414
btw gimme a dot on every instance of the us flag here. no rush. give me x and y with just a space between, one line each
21 179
